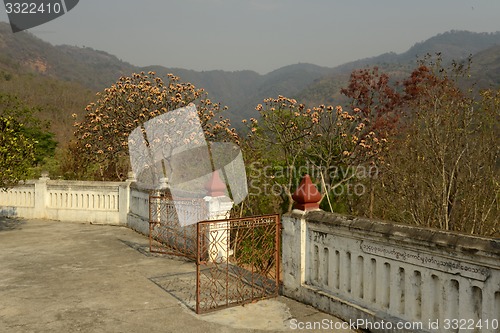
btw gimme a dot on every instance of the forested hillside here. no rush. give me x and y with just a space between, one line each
63 79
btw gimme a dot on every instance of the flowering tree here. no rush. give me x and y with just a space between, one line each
276 144
443 171
102 137
376 97
291 140
381 102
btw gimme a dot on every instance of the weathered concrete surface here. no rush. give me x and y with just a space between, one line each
379 272
73 277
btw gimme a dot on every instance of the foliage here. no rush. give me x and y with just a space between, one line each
23 130
290 140
442 170
432 142
254 248
379 101
63 79
17 152
278 140
102 137
52 100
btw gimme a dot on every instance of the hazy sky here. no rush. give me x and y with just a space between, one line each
260 35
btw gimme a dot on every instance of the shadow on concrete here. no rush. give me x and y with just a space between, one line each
141 248
182 286
144 250
9 224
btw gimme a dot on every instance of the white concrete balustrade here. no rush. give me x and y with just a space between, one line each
138 215
23 196
98 202
373 271
19 201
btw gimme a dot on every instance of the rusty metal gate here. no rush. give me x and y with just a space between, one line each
237 261
166 234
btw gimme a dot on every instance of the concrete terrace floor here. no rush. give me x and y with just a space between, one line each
74 277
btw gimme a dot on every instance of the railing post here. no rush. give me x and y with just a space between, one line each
294 254
124 198
41 196
306 196
218 208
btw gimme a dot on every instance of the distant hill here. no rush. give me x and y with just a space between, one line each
91 68
95 70
63 79
452 45
486 67
29 69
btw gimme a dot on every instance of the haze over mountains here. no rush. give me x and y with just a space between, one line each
63 79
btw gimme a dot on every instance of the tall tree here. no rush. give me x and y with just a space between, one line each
327 142
25 141
101 139
443 170
378 99
17 152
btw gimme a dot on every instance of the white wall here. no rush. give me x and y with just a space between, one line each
97 202
138 215
375 271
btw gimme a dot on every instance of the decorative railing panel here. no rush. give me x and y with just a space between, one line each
77 198
21 196
167 235
238 261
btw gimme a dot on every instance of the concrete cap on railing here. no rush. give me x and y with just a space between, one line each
131 176
164 183
215 186
306 196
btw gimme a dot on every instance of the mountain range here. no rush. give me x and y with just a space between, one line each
63 79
